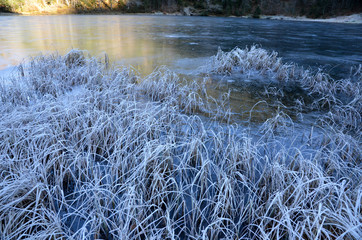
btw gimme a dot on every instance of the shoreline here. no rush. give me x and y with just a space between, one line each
350 19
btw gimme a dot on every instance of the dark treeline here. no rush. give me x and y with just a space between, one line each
310 8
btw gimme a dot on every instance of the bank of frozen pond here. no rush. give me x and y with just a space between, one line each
89 151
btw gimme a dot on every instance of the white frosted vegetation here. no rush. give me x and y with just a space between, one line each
92 152
253 58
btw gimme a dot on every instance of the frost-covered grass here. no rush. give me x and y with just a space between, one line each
92 152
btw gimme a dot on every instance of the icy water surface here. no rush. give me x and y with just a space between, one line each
182 43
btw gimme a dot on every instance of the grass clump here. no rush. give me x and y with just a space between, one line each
90 151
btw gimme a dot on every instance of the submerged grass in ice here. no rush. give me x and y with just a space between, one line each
300 89
93 152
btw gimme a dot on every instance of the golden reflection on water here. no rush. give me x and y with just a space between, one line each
123 40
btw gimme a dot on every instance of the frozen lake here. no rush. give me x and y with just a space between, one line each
182 43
